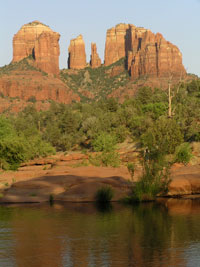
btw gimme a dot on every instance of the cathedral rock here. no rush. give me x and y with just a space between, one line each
77 55
41 42
116 43
147 54
95 61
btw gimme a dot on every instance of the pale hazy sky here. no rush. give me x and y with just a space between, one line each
177 20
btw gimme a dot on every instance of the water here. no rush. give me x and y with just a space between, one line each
80 235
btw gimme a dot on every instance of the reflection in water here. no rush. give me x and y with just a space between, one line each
104 207
82 235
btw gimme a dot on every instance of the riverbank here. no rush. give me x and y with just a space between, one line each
63 178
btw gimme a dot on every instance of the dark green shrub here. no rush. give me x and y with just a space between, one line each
32 99
183 153
164 135
104 194
156 109
131 169
110 159
12 153
104 142
154 180
106 159
51 199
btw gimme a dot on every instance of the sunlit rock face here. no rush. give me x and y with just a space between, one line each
47 52
147 54
77 54
116 43
95 61
41 42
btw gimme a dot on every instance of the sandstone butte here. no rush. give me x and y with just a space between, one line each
146 53
41 42
77 54
95 60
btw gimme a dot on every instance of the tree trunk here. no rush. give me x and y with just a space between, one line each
170 101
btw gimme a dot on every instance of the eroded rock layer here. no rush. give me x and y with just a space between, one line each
41 42
77 55
34 86
146 53
95 61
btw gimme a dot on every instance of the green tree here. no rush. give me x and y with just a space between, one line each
104 142
164 135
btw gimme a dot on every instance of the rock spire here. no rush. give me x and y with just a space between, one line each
77 55
95 60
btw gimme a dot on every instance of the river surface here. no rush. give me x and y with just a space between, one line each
154 234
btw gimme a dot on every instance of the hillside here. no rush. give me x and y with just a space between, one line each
134 58
22 83
112 81
96 83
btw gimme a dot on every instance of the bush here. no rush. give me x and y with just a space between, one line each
155 178
104 142
36 147
12 153
106 159
19 145
183 153
131 169
121 133
157 109
104 194
32 99
110 159
165 135
144 95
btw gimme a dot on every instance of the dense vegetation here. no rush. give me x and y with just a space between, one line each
19 144
101 125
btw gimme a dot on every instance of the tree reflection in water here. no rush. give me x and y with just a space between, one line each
153 234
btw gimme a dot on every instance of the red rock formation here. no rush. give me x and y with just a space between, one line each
41 42
152 55
116 43
47 52
146 53
27 85
77 55
95 61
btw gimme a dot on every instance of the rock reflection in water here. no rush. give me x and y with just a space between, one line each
77 235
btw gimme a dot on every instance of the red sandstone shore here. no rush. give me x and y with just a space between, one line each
64 179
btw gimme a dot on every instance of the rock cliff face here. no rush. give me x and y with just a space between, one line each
77 55
41 42
116 43
146 53
152 55
27 85
47 52
95 61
